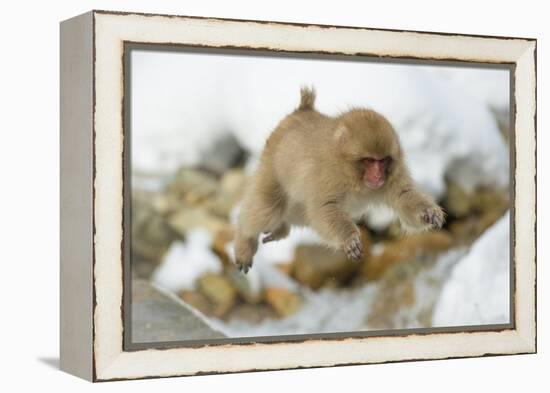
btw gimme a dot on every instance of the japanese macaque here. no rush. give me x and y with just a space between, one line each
325 172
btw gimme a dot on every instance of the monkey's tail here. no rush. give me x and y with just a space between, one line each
307 100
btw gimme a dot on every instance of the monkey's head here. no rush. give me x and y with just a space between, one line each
370 145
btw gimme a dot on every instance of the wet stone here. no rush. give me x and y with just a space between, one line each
316 266
243 287
185 220
197 300
225 153
283 301
252 313
219 291
193 186
405 249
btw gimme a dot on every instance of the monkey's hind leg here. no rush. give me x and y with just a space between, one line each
277 234
262 211
245 248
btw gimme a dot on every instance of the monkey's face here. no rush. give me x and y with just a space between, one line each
368 141
375 171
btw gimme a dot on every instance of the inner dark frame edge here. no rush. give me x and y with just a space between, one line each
126 310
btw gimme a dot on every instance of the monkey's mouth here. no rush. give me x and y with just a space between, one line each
374 181
374 184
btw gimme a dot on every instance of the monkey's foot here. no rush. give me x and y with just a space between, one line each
245 248
353 247
277 234
244 266
434 217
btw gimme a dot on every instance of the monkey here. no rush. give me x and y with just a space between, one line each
324 172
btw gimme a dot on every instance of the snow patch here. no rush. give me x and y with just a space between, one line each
478 290
324 311
265 274
186 261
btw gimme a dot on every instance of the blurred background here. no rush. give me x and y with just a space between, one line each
198 124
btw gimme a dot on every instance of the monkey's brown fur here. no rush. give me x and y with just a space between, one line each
311 173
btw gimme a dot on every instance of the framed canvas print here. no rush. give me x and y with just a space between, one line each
245 195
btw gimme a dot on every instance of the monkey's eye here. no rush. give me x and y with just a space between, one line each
369 160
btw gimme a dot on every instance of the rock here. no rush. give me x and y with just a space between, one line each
460 203
407 292
193 186
153 239
283 301
485 208
219 245
218 290
141 207
457 201
166 203
151 236
219 206
395 230
465 229
404 250
198 301
233 183
470 228
395 294
474 212
398 303
158 317
193 217
286 268
316 266
242 285
366 240
230 193
388 302
252 313
485 200
225 153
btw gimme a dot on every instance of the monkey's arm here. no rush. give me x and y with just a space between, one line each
328 218
416 210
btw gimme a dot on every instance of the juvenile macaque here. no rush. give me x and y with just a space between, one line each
325 172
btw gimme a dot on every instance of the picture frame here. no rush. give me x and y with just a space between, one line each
94 275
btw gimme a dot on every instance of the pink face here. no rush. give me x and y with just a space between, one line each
375 171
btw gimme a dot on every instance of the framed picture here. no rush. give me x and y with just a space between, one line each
246 195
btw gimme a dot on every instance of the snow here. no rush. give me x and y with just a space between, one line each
186 261
478 290
181 102
339 310
324 311
265 274
427 287
475 289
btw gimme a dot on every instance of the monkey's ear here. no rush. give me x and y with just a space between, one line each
342 134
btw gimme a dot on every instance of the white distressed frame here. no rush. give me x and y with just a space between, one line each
110 31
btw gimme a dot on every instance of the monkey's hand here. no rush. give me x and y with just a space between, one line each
433 217
353 247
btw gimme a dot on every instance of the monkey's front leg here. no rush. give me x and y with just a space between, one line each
330 220
416 210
